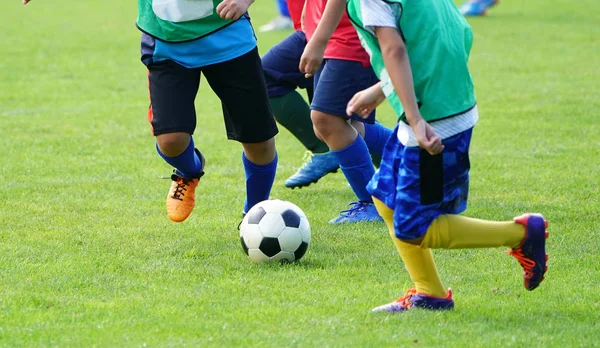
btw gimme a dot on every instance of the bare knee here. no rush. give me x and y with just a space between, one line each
335 131
326 125
173 144
321 123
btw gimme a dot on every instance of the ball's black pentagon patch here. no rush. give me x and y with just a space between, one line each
244 245
290 218
301 251
270 246
254 215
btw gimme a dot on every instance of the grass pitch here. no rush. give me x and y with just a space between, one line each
89 258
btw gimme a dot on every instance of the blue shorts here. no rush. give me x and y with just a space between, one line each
281 66
337 82
420 187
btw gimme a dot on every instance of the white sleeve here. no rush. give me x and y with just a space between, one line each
376 13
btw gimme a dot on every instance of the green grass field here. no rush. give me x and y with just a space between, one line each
88 256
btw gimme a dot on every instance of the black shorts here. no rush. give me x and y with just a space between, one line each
239 83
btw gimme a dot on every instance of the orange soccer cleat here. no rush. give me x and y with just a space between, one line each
182 195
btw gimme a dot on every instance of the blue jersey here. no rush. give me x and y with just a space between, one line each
225 44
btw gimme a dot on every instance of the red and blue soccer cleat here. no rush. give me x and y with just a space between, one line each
477 7
412 299
531 254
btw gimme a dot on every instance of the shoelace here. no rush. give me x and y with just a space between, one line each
525 262
404 301
307 158
355 207
182 183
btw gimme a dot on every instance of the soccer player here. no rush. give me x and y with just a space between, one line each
180 40
420 49
477 7
283 77
340 66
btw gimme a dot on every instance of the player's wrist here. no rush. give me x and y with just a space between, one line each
319 42
377 93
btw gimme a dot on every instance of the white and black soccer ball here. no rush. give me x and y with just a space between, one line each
275 230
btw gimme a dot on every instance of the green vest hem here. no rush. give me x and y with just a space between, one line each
187 40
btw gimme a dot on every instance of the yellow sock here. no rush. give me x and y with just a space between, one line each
418 261
460 232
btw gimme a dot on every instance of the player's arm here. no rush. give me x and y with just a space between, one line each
315 49
397 64
365 101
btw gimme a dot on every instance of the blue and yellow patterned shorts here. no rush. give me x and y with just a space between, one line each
420 187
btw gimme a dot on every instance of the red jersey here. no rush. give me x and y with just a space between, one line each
344 43
295 9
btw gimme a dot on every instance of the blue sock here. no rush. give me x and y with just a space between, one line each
259 180
187 163
376 136
356 165
282 6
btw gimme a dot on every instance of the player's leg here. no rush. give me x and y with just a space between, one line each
418 261
172 114
526 235
240 85
477 7
335 84
290 109
283 77
375 135
431 192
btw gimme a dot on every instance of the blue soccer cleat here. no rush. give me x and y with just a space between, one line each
412 299
477 7
315 167
359 212
531 254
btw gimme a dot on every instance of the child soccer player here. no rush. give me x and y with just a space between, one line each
283 77
420 48
180 40
344 71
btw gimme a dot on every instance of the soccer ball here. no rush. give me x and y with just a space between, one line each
275 230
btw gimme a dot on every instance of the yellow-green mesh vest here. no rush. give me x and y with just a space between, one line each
438 41
179 20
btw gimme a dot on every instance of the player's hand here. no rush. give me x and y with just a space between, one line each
25 2
312 58
365 101
426 137
233 9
